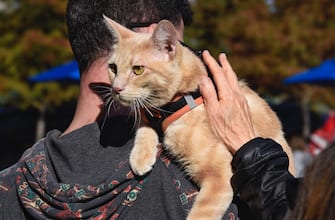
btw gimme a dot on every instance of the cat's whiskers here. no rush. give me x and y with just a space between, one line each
148 102
106 96
143 105
136 110
102 89
105 92
110 104
139 102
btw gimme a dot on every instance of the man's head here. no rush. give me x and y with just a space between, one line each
89 36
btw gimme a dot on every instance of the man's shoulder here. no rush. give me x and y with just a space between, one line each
8 176
7 182
9 203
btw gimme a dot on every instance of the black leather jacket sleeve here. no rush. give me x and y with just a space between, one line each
261 179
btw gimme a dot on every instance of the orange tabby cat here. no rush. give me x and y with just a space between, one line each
151 70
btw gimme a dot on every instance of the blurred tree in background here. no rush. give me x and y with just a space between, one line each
33 39
266 41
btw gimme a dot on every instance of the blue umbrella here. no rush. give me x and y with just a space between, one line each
67 71
324 74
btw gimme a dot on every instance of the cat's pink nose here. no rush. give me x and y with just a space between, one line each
117 89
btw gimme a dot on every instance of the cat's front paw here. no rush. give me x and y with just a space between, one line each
141 167
144 153
142 159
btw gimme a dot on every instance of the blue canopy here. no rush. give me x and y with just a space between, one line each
323 74
67 71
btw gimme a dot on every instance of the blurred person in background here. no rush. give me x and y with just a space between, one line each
316 197
323 136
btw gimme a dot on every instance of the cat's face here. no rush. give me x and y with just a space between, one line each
142 68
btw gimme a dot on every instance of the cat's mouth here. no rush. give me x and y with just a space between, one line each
122 100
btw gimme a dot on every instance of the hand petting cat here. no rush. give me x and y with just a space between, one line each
227 108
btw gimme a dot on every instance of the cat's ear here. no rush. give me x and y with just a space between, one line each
118 31
165 37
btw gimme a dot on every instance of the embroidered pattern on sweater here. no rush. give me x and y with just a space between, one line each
40 193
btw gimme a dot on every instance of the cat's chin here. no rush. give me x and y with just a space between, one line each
121 101
124 103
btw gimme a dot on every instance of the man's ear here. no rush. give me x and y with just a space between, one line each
164 37
118 31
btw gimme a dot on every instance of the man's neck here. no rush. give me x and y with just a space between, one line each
89 104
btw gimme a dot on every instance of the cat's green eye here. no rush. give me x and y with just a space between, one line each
138 70
112 67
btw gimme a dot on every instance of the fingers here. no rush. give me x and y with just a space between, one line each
224 76
229 72
217 73
208 91
227 110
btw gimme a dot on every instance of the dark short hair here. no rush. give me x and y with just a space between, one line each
89 37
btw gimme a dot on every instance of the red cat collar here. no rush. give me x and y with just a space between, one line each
160 120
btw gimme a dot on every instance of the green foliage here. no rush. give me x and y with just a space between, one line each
265 46
34 39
